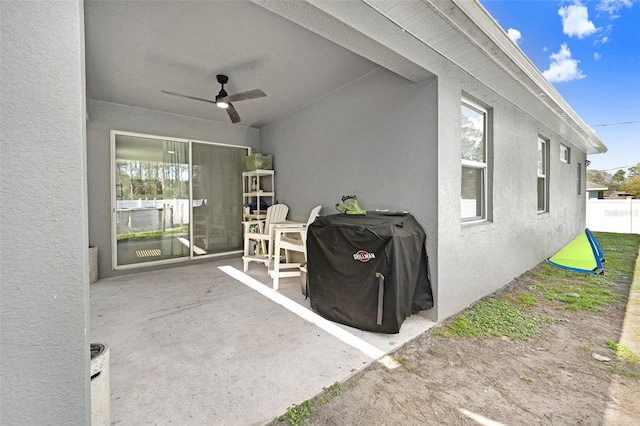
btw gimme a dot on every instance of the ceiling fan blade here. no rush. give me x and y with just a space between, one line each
249 94
187 96
233 114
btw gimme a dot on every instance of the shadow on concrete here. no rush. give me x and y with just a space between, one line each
193 345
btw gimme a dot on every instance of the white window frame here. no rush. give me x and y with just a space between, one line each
478 165
565 154
579 179
544 174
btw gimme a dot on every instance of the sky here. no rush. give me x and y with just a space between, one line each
590 52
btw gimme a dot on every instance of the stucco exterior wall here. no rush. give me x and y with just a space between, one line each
396 145
44 354
105 117
375 138
475 259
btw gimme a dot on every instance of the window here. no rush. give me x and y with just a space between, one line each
579 179
473 201
565 154
543 181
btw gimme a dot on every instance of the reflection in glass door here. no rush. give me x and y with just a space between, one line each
151 200
171 204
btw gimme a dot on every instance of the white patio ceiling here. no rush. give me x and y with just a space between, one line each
135 49
299 51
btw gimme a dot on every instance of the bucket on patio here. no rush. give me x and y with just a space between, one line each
100 387
304 284
93 264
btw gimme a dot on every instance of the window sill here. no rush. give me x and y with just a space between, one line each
475 226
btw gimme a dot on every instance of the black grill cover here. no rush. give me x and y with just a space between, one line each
344 254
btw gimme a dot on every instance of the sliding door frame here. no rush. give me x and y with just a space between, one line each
113 217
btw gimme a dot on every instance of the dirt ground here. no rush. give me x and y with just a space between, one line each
553 379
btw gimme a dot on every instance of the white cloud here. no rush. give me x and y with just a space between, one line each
612 7
563 67
597 56
575 20
603 35
514 35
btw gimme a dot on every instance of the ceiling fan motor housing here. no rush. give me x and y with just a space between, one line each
221 99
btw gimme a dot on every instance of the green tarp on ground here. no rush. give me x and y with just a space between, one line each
583 254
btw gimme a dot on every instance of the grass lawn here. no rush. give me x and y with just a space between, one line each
509 356
510 314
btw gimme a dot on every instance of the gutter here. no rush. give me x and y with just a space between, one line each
535 82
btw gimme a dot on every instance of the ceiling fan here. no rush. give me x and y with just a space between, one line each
223 99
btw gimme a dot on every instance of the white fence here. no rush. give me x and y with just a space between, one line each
621 216
148 215
179 207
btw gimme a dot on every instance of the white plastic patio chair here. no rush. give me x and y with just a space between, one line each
258 236
290 237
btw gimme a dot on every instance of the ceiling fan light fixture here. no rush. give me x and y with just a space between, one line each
222 103
221 99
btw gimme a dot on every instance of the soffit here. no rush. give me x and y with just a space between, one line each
301 51
135 49
463 32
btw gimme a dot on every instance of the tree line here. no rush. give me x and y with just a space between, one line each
621 181
151 180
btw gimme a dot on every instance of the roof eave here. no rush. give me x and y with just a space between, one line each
534 81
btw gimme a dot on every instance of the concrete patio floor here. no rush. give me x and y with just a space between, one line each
193 345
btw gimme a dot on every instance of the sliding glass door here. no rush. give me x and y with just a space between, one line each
217 198
174 199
